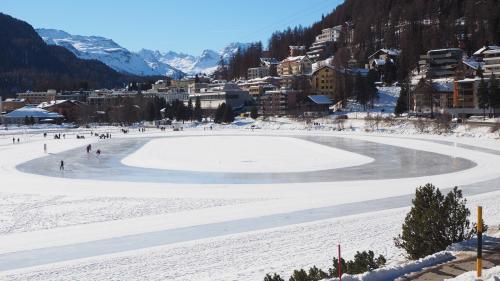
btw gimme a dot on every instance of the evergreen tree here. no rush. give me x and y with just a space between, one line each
457 217
150 112
334 271
316 274
274 277
364 261
422 230
219 113
479 72
483 96
198 114
228 114
254 114
299 275
402 103
434 222
189 111
360 90
371 89
494 93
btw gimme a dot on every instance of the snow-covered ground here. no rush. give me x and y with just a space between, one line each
242 154
45 212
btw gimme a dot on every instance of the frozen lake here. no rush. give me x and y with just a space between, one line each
170 200
333 159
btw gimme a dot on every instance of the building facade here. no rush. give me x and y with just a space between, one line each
258 72
323 81
36 98
282 102
228 93
441 63
491 61
295 66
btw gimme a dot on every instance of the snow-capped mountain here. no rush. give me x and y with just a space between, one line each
144 62
106 51
207 62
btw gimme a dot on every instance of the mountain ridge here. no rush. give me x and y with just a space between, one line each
28 63
143 62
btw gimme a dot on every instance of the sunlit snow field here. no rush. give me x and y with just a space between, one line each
63 228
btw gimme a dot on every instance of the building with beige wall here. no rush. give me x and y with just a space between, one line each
323 81
295 66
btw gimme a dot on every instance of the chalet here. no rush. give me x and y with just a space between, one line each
297 65
316 105
271 64
380 57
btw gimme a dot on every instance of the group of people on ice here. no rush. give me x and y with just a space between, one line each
89 149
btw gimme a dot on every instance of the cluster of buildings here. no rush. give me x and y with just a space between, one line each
305 83
300 85
454 80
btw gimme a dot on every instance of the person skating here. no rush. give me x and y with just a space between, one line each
98 152
61 166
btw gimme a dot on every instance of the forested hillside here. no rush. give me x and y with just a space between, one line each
27 63
413 26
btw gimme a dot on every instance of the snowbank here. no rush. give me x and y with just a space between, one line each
393 272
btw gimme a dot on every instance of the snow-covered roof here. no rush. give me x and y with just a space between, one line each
486 48
361 71
390 52
51 103
443 85
320 99
323 66
321 63
269 61
493 51
14 100
444 50
36 112
294 59
473 63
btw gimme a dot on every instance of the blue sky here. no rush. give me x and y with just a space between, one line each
178 25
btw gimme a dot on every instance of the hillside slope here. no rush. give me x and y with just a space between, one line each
27 63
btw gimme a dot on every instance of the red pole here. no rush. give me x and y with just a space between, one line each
340 264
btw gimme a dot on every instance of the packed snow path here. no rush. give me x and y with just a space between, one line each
390 162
